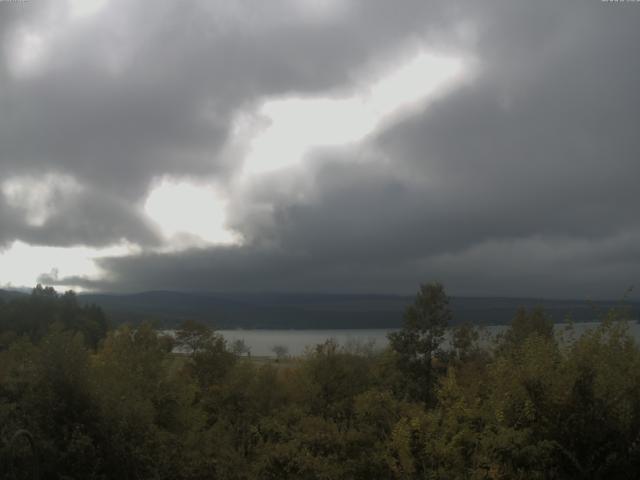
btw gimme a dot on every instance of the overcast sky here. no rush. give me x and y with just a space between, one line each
321 145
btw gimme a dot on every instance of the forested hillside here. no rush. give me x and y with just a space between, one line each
317 311
80 401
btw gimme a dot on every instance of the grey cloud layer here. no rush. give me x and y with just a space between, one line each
88 218
522 182
145 91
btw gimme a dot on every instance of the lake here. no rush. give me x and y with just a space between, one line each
261 342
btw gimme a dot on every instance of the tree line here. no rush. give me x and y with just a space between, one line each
80 400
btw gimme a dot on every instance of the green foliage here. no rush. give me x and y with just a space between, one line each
209 360
192 336
530 406
464 341
524 325
415 345
35 315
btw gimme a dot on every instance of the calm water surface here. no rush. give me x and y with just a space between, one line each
261 342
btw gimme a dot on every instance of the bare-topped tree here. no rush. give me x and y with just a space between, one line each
240 347
281 352
193 336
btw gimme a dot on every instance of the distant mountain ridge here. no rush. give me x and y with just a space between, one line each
10 294
319 311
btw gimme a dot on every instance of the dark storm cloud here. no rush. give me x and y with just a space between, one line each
143 91
151 90
538 266
88 218
546 142
523 181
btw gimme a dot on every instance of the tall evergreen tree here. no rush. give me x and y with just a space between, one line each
425 323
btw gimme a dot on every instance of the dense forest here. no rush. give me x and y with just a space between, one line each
81 400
